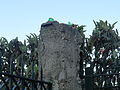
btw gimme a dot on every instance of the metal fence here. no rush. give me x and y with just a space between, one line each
10 79
97 76
101 81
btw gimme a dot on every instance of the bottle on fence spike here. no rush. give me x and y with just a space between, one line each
50 19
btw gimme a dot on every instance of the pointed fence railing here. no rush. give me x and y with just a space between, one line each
9 80
96 77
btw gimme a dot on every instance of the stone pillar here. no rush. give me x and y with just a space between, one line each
59 55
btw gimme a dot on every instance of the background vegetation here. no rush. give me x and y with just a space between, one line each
101 51
21 55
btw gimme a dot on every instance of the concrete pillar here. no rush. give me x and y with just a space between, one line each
59 55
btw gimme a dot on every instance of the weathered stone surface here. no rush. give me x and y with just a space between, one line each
59 55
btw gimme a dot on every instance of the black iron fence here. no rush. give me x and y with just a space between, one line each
14 77
110 81
95 74
95 77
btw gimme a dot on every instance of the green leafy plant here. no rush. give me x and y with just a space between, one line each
101 52
22 55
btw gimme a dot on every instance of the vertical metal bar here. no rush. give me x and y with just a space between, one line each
1 71
118 81
81 72
89 79
22 71
33 74
41 78
11 64
0 62
22 65
11 69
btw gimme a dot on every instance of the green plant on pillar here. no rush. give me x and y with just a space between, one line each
81 30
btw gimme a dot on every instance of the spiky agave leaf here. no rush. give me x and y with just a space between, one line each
113 25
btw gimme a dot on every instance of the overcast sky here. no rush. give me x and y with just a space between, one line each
22 17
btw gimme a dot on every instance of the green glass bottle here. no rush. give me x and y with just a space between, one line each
50 19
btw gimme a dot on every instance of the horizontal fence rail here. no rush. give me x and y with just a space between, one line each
21 77
96 74
20 82
101 81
